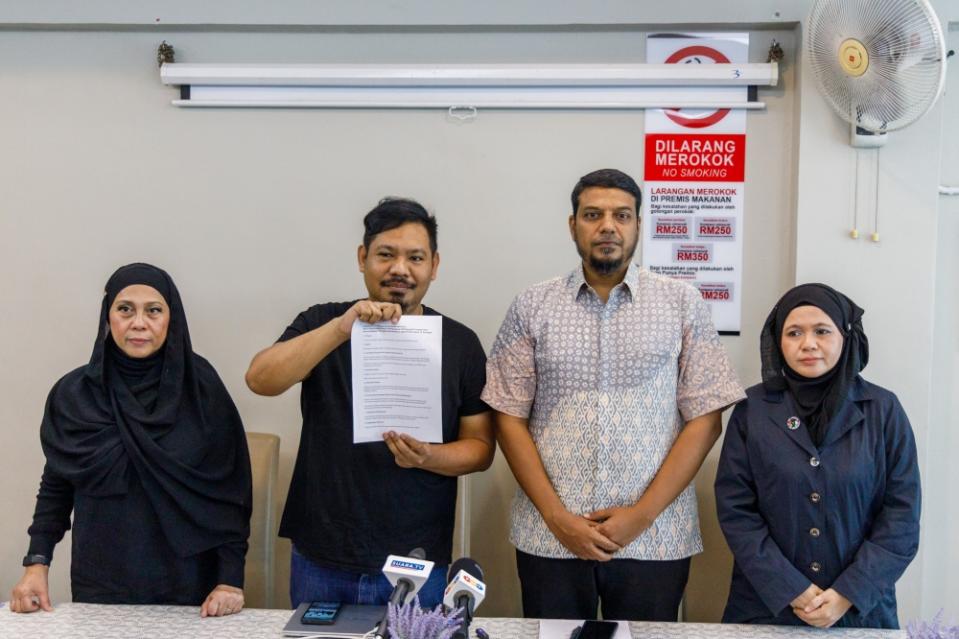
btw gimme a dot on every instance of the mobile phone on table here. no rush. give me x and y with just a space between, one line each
597 630
321 613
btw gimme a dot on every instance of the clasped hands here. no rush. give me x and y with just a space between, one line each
820 608
600 534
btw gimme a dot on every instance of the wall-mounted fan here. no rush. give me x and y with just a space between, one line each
881 65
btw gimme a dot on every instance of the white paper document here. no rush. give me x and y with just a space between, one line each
397 372
562 628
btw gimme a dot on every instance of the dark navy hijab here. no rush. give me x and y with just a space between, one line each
819 398
165 421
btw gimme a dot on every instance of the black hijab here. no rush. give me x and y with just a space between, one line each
818 398
165 421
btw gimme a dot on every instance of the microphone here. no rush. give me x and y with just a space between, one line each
407 574
465 590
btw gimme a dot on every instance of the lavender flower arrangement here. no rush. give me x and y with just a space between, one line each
409 621
917 629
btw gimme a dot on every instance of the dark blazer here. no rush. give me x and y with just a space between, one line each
845 515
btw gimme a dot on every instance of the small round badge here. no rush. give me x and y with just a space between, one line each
792 423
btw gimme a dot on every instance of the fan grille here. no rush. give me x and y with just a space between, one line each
904 46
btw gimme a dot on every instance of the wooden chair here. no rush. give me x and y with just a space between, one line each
260 558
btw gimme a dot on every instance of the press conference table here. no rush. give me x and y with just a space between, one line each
90 621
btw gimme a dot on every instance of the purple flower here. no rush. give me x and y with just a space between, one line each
918 629
409 621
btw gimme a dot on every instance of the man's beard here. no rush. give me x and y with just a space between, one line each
407 306
398 297
606 265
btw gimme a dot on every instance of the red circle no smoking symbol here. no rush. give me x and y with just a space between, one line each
696 51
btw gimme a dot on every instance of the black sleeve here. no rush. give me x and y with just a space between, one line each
231 555
231 560
301 324
474 377
51 517
312 318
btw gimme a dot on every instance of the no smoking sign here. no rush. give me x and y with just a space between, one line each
695 55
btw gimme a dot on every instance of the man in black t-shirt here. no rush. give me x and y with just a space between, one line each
351 505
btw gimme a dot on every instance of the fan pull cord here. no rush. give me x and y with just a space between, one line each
875 214
854 231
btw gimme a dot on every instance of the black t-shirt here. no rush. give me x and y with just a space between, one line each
349 504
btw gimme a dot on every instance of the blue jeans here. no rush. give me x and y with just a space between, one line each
311 582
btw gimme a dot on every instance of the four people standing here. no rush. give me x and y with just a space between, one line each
608 386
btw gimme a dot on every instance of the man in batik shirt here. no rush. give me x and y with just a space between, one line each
609 384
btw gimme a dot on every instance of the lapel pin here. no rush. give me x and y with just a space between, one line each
792 423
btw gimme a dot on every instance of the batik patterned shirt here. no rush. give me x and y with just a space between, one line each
607 388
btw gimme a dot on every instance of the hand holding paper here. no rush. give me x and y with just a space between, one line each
370 312
408 451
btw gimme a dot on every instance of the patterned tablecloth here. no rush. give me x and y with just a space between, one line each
88 621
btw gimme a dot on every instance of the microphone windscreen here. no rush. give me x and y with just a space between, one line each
466 564
417 553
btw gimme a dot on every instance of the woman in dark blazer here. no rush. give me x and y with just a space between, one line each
818 483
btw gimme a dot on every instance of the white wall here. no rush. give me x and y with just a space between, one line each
894 280
257 213
941 473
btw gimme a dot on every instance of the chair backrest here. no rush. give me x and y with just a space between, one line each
260 558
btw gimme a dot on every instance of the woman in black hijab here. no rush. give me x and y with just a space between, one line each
818 484
146 448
